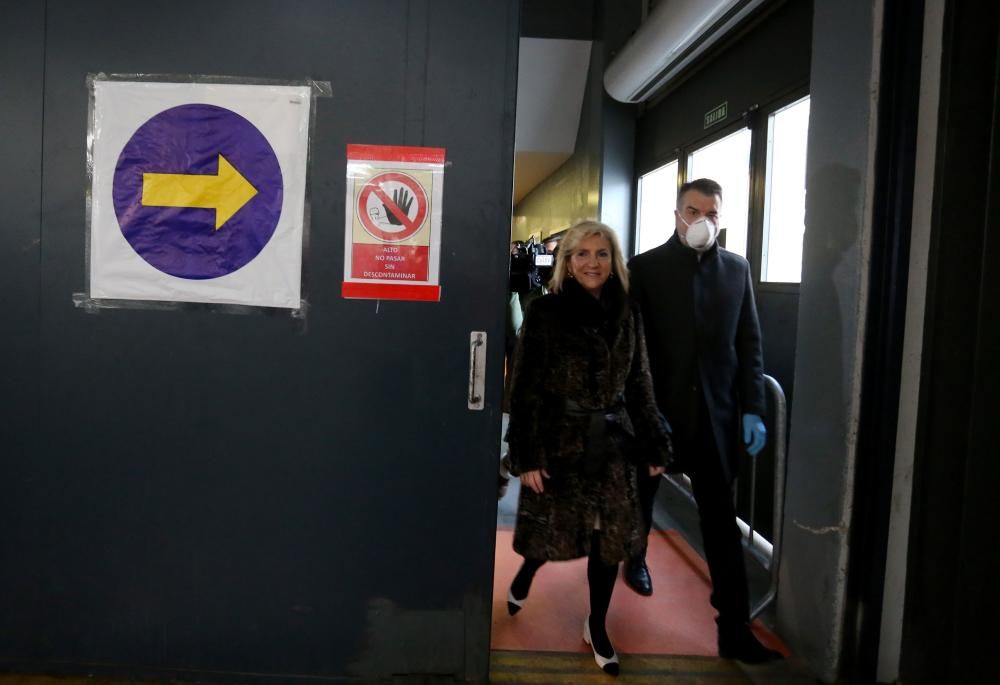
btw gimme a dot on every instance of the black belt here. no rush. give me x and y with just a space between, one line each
597 443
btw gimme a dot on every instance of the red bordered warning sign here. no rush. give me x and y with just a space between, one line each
392 206
393 232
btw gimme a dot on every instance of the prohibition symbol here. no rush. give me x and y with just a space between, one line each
392 206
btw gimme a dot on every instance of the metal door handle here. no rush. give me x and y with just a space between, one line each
477 369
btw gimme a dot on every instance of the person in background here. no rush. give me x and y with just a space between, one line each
581 396
701 325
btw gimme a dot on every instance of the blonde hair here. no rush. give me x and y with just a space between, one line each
575 235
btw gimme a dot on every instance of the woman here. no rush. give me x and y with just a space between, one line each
581 403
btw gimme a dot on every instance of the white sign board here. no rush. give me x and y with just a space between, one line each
198 192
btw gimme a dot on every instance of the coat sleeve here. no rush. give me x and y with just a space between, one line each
748 348
526 432
651 430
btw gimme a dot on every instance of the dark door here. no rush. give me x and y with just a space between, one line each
952 598
206 492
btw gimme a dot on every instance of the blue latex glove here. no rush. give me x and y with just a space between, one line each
754 434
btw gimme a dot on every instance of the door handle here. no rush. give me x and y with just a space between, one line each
477 369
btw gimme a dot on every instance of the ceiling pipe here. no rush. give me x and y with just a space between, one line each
674 35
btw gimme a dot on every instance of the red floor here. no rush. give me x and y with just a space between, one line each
677 619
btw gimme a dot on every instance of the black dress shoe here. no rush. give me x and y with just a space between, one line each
637 577
741 644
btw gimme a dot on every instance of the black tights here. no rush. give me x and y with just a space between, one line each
601 579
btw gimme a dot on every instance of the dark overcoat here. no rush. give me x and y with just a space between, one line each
577 355
704 343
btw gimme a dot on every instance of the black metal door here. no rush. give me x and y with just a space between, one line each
952 597
189 491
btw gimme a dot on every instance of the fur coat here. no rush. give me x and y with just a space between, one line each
579 359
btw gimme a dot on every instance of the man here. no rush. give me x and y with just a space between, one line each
704 347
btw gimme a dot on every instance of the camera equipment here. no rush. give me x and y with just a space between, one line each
530 266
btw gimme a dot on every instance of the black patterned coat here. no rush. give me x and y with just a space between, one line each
592 353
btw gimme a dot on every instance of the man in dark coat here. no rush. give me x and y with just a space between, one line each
703 339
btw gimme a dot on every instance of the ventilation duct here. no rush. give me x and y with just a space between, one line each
673 36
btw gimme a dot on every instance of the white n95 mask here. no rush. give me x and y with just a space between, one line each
701 233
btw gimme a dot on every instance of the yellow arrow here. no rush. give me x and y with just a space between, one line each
226 192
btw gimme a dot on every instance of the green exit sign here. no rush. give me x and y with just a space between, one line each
714 116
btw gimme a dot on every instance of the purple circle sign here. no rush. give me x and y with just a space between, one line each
197 191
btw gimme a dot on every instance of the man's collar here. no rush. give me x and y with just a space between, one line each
675 244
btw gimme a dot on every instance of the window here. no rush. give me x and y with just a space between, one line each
657 200
762 219
785 194
727 162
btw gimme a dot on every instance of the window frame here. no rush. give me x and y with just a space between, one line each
733 127
756 119
634 246
758 189
680 155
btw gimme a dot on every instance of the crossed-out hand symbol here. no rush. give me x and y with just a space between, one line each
401 198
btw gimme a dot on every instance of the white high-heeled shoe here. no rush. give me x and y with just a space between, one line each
608 665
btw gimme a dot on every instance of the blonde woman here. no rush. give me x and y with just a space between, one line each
581 404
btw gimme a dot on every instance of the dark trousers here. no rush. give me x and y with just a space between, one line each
714 495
